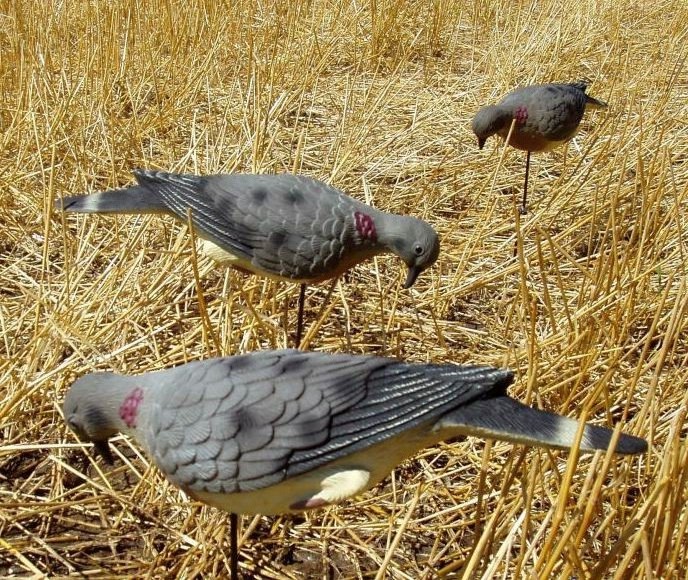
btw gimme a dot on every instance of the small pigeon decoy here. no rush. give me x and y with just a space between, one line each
287 227
272 432
546 116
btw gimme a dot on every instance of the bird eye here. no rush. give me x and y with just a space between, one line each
418 249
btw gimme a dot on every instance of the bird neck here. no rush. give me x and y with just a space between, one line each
393 231
121 399
370 225
503 117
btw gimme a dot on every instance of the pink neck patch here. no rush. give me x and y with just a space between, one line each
521 114
130 407
365 226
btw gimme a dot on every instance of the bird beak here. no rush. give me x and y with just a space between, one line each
103 449
481 142
413 272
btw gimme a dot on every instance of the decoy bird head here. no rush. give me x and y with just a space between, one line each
488 121
417 244
88 416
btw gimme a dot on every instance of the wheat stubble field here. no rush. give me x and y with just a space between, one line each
376 98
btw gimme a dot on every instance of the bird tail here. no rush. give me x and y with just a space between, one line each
590 102
593 103
506 419
133 200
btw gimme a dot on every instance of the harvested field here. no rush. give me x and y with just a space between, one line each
374 97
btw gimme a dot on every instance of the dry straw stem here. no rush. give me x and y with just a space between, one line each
375 98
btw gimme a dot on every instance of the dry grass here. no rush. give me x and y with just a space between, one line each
374 97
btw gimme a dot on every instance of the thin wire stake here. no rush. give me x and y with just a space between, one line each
233 548
524 209
299 322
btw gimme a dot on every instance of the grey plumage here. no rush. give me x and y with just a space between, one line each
546 115
275 431
285 226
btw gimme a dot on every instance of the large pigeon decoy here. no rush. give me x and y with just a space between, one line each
288 227
546 116
280 431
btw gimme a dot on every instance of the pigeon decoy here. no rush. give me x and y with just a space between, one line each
287 227
546 116
272 432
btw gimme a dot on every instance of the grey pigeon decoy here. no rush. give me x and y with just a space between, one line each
288 227
546 116
281 431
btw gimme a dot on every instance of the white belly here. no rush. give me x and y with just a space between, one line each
329 484
215 252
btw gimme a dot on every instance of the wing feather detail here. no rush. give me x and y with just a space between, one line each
293 412
292 226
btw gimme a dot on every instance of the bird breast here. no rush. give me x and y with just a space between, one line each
529 141
329 484
343 263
